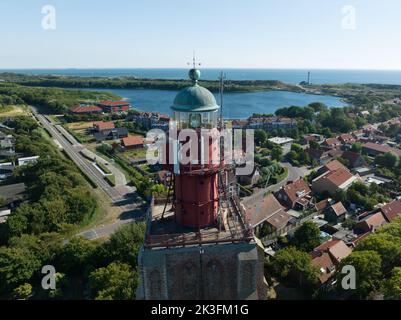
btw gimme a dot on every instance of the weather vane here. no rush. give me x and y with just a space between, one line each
194 62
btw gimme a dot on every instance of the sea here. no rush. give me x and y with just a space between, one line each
236 105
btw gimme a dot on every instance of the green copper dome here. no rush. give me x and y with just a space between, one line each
195 98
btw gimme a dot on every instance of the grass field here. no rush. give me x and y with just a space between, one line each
13 111
80 125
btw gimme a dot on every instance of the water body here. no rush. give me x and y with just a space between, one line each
236 105
293 76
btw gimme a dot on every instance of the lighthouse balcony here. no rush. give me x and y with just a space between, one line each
163 231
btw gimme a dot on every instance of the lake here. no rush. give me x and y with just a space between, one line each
236 105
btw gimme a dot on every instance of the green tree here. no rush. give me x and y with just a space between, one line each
392 286
294 267
277 153
118 281
314 145
357 147
17 266
260 137
386 245
307 237
387 160
367 266
23 292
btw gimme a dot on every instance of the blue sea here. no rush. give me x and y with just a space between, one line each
236 105
293 76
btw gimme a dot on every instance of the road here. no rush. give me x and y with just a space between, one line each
294 173
123 197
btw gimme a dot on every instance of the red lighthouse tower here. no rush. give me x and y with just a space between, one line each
196 183
199 243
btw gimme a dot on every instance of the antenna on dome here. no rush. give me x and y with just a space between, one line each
221 79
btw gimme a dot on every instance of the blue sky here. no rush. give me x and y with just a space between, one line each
224 33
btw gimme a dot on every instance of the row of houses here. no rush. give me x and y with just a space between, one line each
265 123
106 106
150 120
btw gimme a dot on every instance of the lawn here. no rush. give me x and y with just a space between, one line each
13 111
80 131
80 125
133 154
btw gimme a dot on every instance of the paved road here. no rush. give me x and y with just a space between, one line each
124 197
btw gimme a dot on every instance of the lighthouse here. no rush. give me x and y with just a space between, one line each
198 242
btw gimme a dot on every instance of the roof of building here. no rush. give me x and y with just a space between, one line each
131 141
322 205
334 165
110 103
331 141
195 98
12 192
346 137
337 177
381 148
316 153
260 211
86 109
338 209
102 125
352 157
279 220
372 222
326 265
391 210
296 190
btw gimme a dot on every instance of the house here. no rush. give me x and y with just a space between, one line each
281 141
6 145
319 155
374 149
6 170
295 195
370 223
331 166
86 109
346 138
111 134
354 159
267 211
27 160
327 257
150 120
321 206
99 126
335 213
251 179
332 143
331 181
391 210
132 142
114 106
271 123
310 137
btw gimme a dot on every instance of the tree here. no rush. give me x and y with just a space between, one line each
367 266
17 266
260 137
277 153
294 267
314 145
356 147
307 237
124 245
392 286
387 160
22 292
76 255
386 245
118 281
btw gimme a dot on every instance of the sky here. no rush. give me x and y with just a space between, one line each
312 34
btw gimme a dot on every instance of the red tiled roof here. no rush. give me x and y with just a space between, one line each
338 209
346 138
279 220
101 125
109 103
86 109
335 165
299 186
331 142
320 206
381 148
131 141
260 211
392 210
372 222
337 177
